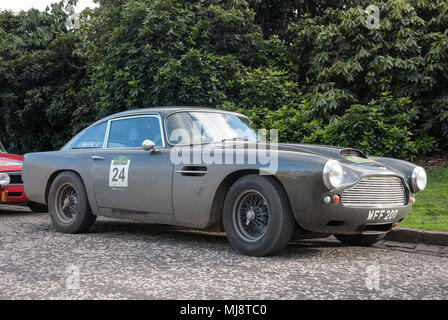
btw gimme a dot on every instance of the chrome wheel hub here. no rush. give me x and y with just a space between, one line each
251 215
67 205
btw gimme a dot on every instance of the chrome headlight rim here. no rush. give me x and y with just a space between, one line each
418 173
5 179
332 166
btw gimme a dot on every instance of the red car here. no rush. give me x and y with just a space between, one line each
11 184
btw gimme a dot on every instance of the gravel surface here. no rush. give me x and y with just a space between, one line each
126 260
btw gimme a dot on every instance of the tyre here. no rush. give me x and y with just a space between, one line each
359 239
257 216
68 205
37 207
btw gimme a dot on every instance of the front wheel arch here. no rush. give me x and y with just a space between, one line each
274 216
216 212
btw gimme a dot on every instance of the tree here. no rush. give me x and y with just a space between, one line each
39 79
170 52
274 16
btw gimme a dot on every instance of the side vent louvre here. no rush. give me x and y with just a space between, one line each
193 171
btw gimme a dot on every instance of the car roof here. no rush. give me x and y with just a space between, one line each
166 110
162 111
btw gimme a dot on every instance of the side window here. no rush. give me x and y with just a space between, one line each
130 133
92 138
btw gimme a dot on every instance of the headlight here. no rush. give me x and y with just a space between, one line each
418 179
4 179
332 174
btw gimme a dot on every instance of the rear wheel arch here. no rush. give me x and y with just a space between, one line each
68 203
53 177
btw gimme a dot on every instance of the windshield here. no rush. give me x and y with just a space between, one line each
2 148
206 127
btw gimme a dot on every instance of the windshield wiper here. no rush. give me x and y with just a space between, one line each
235 139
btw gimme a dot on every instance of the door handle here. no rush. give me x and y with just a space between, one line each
97 158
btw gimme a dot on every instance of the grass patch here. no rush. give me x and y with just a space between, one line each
430 210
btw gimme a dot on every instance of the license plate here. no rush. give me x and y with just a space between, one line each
382 215
4 193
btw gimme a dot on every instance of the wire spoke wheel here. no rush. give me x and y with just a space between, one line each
251 215
67 206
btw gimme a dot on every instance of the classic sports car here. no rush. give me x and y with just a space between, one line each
11 185
209 169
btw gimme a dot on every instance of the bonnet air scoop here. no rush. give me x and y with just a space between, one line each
347 153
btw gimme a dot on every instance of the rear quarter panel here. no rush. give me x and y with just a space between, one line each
39 168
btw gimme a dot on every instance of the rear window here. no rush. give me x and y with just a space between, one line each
91 138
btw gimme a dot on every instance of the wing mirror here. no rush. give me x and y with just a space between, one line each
149 145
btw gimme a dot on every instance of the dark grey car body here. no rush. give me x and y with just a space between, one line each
162 192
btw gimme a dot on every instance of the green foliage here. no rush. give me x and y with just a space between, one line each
39 79
172 52
274 15
293 124
309 68
430 211
343 63
378 128
268 88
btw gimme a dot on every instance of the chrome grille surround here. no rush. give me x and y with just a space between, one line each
375 191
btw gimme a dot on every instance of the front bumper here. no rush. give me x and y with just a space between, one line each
16 194
337 219
366 190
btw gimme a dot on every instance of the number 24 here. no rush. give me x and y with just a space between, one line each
121 176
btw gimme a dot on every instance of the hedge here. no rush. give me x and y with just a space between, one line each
310 69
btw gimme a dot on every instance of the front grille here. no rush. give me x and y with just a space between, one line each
375 192
16 178
14 194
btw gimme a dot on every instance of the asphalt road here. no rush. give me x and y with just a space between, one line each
126 260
